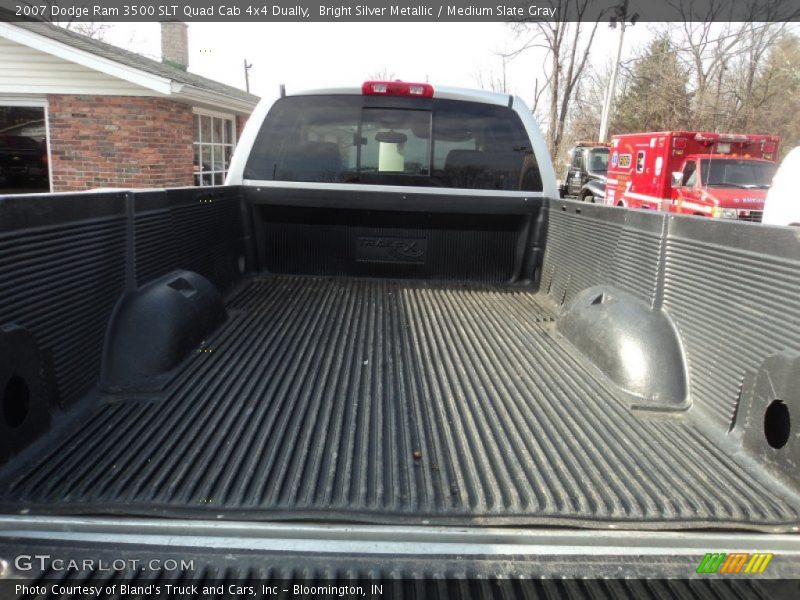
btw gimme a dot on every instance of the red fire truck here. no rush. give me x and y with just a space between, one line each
689 172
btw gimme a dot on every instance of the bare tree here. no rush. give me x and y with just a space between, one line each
93 29
744 68
567 40
776 93
383 74
489 80
709 71
583 121
722 49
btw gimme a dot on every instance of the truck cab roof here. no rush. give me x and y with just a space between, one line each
444 92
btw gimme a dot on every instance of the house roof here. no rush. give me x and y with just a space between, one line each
138 62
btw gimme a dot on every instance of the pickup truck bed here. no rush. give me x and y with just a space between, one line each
322 396
381 401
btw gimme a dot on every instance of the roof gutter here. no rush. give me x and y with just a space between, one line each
215 100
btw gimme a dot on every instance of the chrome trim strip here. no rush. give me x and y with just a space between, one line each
389 540
397 189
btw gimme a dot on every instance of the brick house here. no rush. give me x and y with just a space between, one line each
77 114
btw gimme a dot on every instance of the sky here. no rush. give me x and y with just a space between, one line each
311 55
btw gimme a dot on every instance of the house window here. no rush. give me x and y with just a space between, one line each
214 141
24 157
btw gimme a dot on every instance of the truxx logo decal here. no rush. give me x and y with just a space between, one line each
734 563
391 249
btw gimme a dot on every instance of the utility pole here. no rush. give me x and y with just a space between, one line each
621 17
504 58
247 75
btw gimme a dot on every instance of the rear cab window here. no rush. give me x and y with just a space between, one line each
394 141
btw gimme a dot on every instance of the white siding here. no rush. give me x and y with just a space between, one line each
24 70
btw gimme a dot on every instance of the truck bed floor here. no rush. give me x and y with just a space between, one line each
388 402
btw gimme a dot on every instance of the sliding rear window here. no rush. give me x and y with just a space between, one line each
394 141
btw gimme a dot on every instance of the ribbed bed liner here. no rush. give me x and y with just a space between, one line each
391 402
